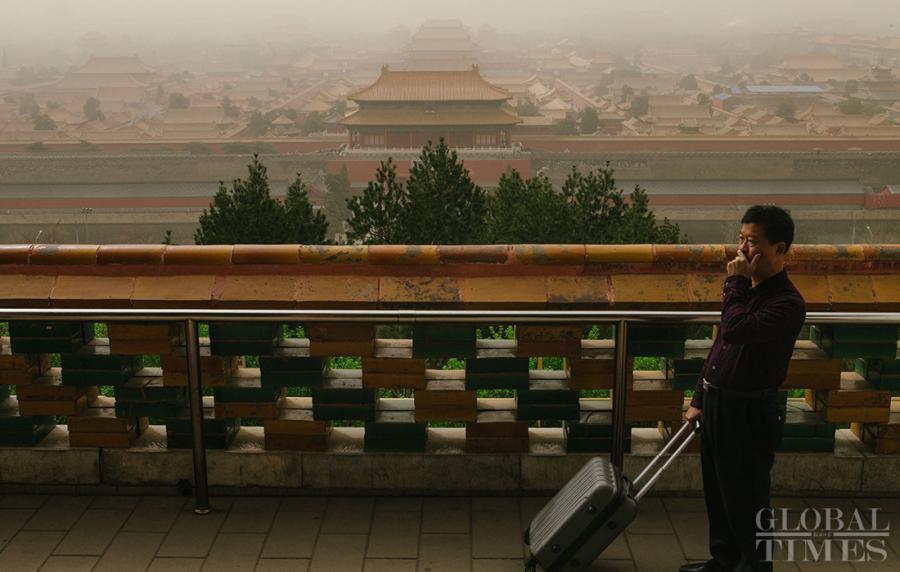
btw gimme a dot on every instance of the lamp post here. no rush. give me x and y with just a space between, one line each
86 211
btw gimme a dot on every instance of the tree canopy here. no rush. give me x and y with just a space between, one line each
91 109
440 204
248 214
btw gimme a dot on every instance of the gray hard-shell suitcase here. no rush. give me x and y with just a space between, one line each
592 509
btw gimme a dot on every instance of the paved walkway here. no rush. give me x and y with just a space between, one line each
161 534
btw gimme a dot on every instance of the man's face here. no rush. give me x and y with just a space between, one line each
752 241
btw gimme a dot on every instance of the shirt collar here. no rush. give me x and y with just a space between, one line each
774 281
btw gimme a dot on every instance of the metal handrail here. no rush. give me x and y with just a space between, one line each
192 318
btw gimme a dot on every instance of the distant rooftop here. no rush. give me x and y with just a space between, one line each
779 89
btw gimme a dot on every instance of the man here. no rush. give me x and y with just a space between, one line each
736 398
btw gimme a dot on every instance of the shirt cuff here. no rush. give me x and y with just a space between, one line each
697 400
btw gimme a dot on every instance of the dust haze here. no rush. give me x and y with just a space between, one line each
47 31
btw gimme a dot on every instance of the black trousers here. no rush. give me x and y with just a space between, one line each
740 435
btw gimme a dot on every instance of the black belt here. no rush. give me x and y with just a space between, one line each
755 394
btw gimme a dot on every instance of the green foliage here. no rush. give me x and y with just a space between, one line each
37 147
314 122
786 110
178 101
855 106
91 109
43 123
589 121
345 362
600 214
376 216
86 146
258 125
567 126
527 108
439 190
302 223
589 209
230 109
525 211
640 105
167 238
688 82
247 214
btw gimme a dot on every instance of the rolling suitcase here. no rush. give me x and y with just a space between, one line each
592 509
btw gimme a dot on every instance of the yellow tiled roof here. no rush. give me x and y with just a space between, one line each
465 85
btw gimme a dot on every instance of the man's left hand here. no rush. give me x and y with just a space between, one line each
740 266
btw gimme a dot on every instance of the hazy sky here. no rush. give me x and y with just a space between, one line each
59 20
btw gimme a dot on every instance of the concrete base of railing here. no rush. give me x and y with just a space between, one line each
246 468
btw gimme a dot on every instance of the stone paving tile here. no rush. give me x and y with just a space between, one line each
496 565
389 565
303 504
251 515
530 506
130 551
293 535
28 550
339 553
651 518
617 550
11 520
692 530
121 502
446 515
348 516
59 514
394 535
602 565
686 504
92 533
496 535
655 552
398 504
155 514
235 552
69 564
282 565
191 536
23 501
175 565
495 504
444 552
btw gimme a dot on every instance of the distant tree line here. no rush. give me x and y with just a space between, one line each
438 203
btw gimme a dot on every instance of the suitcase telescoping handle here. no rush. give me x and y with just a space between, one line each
682 438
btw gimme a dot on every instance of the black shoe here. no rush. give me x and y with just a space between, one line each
708 566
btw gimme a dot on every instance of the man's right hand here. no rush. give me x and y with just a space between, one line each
693 413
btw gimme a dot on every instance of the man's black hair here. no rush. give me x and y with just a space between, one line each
777 223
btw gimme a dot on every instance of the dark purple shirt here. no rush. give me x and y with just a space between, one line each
756 336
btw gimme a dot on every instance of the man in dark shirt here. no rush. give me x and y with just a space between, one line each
736 398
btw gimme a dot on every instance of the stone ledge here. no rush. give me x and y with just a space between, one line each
149 468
